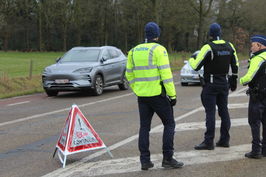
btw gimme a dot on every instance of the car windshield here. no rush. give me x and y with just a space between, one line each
81 55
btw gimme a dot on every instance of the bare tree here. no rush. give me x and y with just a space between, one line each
202 9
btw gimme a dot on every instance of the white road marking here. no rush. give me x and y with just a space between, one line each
13 104
237 92
99 153
132 164
83 105
230 106
201 125
74 166
237 105
239 95
60 110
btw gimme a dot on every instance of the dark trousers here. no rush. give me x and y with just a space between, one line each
161 106
256 116
211 96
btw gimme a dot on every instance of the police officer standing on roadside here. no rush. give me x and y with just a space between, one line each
216 57
255 78
150 77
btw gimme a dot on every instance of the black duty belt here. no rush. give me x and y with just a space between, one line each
257 93
212 77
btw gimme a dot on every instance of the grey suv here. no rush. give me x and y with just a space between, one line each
86 68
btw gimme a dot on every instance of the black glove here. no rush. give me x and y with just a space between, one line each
248 92
232 82
172 101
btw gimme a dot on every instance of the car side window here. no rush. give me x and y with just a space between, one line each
113 53
106 55
118 53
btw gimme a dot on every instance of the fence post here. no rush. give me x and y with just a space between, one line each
30 72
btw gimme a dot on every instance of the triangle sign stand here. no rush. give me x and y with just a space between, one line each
77 136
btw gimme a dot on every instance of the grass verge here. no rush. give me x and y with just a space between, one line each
10 87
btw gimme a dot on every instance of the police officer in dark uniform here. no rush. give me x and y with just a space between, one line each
150 77
216 57
255 78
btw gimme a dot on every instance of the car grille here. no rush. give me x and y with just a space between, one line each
75 83
62 85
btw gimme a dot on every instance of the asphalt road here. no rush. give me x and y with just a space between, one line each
30 127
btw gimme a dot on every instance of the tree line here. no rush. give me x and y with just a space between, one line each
58 25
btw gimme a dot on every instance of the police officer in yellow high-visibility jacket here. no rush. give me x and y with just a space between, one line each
150 77
216 57
255 78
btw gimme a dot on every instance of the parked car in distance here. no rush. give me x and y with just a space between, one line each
86 68
188 75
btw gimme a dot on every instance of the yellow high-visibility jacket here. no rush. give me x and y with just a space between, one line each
148 66
254 66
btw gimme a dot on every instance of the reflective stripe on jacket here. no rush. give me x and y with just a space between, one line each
254 66
206 55
148 66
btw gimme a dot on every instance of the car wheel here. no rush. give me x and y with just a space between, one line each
51 93
98 85
124 85
184 83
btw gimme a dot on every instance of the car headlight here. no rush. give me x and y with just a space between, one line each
47 71
83 70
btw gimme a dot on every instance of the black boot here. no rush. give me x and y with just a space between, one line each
253 155
146 166
222 144
172 163
263 152
204 146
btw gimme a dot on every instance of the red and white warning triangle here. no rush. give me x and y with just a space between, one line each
78 135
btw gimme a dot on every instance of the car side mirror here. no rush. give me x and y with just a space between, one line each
103 59
58 59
